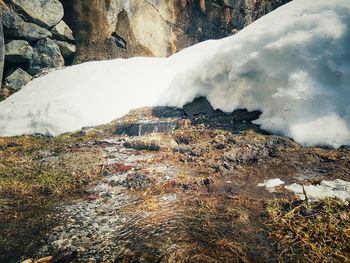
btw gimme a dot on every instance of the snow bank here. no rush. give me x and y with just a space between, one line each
327 189
271 184
293 65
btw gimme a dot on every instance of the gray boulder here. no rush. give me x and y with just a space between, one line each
67 49
16 27
17 79
46 13
2 52
18 51
61 31
46 55
200 106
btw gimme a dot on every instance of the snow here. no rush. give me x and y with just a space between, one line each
271 184
326 189
292 64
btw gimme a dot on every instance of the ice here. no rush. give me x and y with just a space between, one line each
326 189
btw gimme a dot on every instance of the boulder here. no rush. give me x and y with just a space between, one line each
18 51
17 79
46 55
67 49
152 142
143 127
61 31
2 52
200 106
16 27
46 13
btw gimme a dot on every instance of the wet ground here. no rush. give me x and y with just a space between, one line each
195 200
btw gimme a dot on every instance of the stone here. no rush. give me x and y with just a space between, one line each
146 127
18 51
152 142
2 52
200 106
67 49
46 13
61 31
47 259
46 55
15 27
17 79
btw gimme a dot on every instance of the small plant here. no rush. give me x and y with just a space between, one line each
314 232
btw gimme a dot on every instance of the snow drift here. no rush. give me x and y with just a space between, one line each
293 65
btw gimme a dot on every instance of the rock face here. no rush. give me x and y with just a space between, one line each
46 13
156 28
46 55
18 51
16 28
16 80
88 20
173 25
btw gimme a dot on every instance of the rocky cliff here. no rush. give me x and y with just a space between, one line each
41 36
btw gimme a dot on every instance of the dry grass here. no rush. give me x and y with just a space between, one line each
37 166
318 232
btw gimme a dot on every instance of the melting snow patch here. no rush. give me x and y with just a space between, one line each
271 184
337 188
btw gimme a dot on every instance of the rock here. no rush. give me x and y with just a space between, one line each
16 27
67 49
46 54
17 79
136 181
146 127
47 259
174 25
61 31
200 106
168 112
152 142
2 52
241 115
46 13
27 261
18 51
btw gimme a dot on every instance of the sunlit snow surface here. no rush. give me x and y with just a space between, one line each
327 189
293 65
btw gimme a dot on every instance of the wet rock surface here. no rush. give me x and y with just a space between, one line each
196 202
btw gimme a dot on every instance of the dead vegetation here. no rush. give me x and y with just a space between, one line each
316 232
44 166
